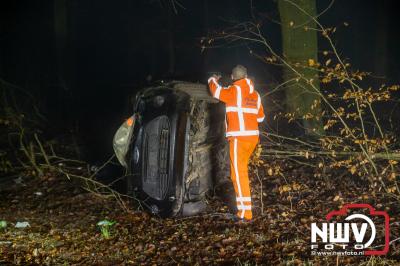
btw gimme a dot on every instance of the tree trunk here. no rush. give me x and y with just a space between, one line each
206 26
61 32
300 45
1 48
381 38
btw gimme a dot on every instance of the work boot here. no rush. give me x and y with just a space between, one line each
236 219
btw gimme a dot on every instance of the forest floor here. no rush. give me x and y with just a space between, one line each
63 226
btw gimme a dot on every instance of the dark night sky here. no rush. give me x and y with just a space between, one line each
111 46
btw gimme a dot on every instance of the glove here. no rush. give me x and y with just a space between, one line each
216 76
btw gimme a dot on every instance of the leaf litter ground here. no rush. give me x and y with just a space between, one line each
63 230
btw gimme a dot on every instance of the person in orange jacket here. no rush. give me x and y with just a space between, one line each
243 113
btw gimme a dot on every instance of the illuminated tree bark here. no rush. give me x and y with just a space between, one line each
300 45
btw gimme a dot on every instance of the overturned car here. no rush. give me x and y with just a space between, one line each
173 148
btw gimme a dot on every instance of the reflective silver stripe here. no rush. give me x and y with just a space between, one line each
235 166
242 133
259 120
239 105
243 198
243 208
217 92
219 88
250 86
244 110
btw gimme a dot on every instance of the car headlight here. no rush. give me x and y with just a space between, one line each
122 140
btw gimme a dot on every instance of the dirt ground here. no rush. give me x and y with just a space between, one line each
63 231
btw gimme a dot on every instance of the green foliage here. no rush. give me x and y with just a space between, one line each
3 225
105 228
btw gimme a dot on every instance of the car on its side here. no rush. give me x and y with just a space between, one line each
173 147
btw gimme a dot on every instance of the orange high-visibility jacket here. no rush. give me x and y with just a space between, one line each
243 106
